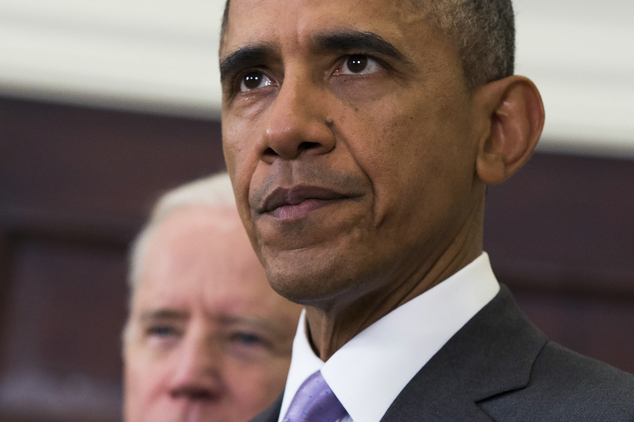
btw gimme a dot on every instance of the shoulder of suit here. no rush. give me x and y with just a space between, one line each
565 385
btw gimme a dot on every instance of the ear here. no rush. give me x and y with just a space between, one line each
513 119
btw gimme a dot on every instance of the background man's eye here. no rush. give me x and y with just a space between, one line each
246 339
161 331
254 80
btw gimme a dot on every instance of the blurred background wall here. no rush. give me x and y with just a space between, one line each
105 104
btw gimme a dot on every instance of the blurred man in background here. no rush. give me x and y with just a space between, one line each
207 338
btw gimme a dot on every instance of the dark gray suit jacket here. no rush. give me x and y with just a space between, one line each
499 367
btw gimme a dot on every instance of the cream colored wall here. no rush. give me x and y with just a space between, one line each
581 56
155 55
161 56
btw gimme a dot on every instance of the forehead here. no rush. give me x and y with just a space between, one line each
201 257
294 21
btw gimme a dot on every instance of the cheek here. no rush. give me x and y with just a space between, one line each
241 158
386 141
145 384
255 387
235 136
408 151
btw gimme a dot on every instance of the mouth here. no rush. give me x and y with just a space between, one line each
298 201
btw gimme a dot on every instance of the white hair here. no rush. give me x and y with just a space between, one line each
215 191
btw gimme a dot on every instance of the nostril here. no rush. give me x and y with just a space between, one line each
270 152
192 393
304 146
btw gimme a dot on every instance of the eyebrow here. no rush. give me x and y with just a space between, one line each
256 322
160 314
242 58
366 42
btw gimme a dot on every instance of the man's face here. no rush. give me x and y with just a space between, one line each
207 339
349 135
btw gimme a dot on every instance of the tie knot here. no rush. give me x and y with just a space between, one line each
315 402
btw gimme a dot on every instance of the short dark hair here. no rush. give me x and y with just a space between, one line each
225 22
485 33
483 29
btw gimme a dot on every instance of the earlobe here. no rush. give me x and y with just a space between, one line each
515 118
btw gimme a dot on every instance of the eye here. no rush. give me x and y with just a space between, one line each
161 331
246 339
254 80
358 64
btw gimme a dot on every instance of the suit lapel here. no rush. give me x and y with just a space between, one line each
434 394
492 354
272 413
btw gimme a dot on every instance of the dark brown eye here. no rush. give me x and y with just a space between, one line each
357 63
254 80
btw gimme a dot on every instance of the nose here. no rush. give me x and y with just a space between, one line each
198 370
298 121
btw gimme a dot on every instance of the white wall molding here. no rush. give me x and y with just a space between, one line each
581 57
154 55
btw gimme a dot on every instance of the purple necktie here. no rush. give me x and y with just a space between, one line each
315 402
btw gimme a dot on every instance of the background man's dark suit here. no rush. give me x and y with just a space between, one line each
499 367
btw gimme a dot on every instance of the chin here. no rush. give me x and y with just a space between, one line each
309 280
179 413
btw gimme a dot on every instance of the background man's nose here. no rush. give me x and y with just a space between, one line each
198 371
298 122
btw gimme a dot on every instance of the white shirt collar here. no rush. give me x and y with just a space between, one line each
370 370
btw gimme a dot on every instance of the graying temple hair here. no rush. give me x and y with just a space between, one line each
483 29
214 191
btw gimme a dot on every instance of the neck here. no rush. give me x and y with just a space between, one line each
330 328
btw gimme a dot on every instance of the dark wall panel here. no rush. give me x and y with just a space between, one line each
62 349
599 327
566 221
54 283
73 168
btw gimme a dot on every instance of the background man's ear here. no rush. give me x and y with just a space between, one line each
515 114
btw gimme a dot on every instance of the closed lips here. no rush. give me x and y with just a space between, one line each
296 195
